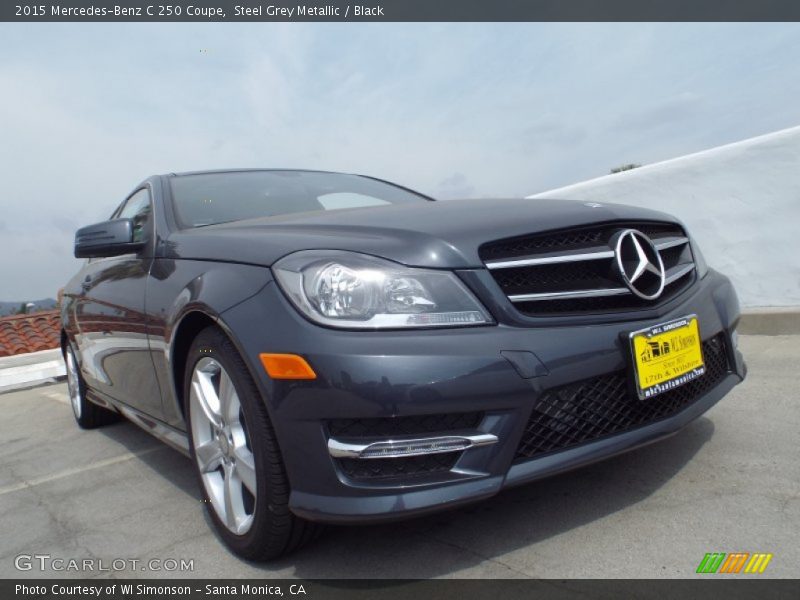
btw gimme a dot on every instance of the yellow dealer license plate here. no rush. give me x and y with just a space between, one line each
666 356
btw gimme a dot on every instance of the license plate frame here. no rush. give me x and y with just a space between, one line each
666 356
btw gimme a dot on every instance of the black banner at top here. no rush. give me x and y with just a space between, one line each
399 10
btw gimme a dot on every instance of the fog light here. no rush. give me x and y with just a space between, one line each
415 447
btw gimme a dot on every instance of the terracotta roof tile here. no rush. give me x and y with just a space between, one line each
20 334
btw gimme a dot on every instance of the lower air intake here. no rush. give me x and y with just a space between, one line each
602 406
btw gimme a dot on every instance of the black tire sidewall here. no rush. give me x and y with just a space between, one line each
213 343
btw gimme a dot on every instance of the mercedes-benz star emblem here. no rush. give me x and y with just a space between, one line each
639 264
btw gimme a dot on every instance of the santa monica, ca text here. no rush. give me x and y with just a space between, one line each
140 589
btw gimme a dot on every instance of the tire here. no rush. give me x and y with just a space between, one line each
87 414
240 470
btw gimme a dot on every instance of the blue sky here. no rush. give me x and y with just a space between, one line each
454 110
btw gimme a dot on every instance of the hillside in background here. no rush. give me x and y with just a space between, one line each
11 308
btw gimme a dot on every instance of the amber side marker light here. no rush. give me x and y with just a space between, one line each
287 366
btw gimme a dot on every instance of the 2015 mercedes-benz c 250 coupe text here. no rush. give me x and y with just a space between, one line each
336 348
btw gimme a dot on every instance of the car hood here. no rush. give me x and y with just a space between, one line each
442 234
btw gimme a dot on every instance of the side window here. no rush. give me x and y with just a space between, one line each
139 208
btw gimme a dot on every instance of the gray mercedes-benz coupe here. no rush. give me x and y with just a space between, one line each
335 348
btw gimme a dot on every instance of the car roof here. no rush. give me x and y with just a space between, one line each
250 170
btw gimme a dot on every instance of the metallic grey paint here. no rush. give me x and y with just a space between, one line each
128 318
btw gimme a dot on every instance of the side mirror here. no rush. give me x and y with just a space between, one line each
109 238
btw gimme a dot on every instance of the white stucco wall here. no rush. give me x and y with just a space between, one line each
740 201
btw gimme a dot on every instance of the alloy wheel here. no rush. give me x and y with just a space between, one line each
222 446
73 383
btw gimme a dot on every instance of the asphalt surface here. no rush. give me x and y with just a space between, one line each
729 482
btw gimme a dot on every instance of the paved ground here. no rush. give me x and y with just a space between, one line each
729 482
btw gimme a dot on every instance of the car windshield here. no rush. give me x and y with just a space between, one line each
210 198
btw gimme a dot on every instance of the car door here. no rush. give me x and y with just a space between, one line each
111 318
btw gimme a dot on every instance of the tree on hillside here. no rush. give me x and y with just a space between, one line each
626 167
26 308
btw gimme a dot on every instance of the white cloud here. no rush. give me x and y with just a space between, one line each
87 111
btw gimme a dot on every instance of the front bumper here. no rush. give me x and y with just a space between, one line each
498 372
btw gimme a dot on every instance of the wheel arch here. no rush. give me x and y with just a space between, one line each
204 292
184 333
190 325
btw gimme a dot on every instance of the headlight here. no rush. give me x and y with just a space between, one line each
699 260
350 290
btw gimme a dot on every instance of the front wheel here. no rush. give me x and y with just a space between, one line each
87 414
236 455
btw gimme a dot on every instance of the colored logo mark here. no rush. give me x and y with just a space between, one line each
735 562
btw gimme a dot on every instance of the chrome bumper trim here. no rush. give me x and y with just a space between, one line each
399 448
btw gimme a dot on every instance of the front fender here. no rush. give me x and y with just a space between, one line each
212 289
180 291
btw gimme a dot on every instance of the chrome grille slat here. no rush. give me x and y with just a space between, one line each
549 260
670 243
598 253
564 271
569 295
676 273
672 276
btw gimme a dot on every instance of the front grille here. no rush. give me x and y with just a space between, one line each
572 239
573 271
541 243
568 276
602 406
411 466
